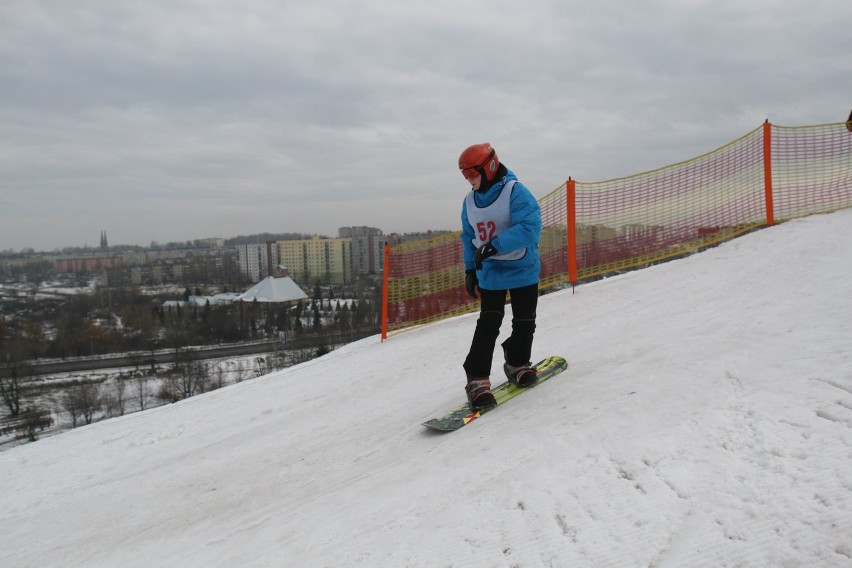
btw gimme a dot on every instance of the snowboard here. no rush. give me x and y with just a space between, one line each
464 414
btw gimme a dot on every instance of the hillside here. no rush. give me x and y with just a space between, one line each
705 420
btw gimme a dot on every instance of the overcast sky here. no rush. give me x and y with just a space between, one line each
163 120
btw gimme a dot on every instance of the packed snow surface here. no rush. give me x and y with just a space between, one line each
705 420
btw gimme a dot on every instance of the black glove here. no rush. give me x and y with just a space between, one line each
471 282
482 253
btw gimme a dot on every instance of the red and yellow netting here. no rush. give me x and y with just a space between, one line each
811 169
591 229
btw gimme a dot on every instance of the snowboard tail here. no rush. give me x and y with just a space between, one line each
464 414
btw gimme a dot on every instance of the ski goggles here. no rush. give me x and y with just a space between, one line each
471 173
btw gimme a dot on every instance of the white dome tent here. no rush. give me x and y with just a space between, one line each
277 288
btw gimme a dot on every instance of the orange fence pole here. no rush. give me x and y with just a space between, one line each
385 294
767 171
571 211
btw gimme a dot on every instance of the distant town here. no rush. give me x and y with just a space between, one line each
89 333
230 263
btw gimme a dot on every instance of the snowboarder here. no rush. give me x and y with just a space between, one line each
501 226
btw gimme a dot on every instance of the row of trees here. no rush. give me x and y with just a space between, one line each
30 407
124 319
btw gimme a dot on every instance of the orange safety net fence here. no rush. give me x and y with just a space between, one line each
645 218
811 169
599 228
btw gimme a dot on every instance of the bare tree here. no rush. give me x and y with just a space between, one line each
28 423
35 419
120 387
220 376
10 385
168 392
82 401
194 378
241 370
260 366
188 377
191 375
141 383
114 399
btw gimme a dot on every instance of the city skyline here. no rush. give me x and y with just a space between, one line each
104 236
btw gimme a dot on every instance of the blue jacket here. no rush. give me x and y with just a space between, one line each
523 233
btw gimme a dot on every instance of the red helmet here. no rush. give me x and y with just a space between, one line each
479 159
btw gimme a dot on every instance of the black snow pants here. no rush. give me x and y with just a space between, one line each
518 347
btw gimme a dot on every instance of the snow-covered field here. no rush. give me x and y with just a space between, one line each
705 420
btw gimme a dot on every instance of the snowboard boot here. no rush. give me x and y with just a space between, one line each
521 376
479 392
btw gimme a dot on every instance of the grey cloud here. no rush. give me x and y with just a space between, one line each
308 116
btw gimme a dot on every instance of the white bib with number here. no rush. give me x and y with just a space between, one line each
488 222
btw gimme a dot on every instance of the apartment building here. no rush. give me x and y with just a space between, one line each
318 258
257 261
368 245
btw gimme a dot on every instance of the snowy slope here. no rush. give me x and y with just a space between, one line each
705 420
